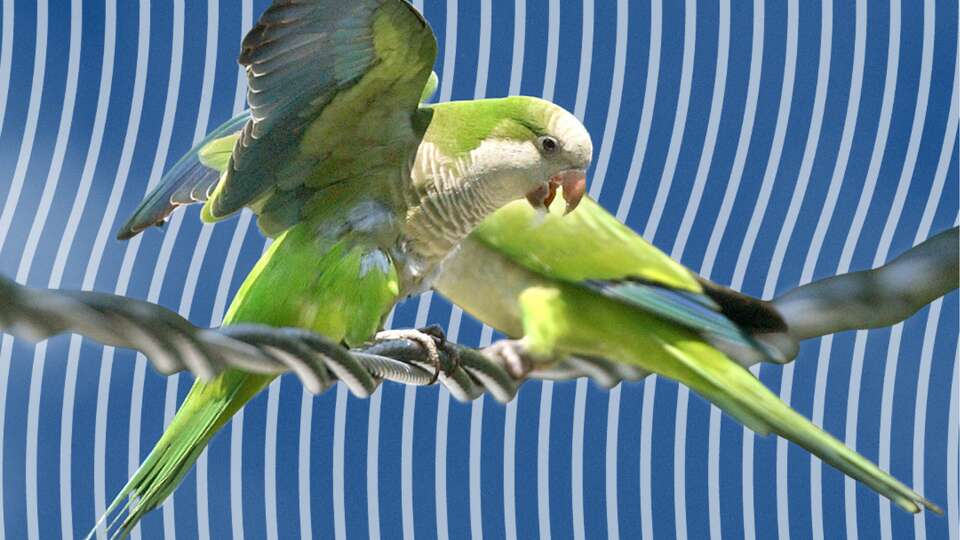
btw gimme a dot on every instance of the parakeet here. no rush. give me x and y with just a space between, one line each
588 285
365 190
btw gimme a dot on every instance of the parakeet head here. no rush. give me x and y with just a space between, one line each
481 155
517 147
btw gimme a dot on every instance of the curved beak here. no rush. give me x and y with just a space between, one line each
573 184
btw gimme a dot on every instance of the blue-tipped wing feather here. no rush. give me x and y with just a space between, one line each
695 311
189 181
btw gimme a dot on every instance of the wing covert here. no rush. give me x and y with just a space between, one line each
326 79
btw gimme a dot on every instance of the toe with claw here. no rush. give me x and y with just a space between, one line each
513 355
433 340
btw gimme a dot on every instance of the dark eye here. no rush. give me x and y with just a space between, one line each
549 145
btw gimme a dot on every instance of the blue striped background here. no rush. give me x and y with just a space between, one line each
763 144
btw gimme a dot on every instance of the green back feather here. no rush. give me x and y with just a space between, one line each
587 244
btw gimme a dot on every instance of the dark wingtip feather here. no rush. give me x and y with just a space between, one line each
931 507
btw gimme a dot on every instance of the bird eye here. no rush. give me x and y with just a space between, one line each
549 145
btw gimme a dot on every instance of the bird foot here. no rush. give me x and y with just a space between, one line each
433 340
513 355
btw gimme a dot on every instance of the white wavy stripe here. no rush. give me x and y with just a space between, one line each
836 182
373 453
305 434
616 97
200 248
123 280
509 470
649 232
856 227
6 56
93 266
546 388
516 78
926 354
610 462
680 244
953 450
553 49
543 460
616 91
440 442
11 203
476 448
716 236
217 313
30 128
920 410
646 113
423 309
216 317
576 459
679 120
26 261
756 218
406 458
196 263
646 427
236 424
886 239
453 326
271 518
626 201
66 242
786 233
406 437
473 473
606 148
519 41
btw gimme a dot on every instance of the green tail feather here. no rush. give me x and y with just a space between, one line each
575 320
207 408
744 397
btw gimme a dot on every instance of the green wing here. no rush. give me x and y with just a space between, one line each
587 244
190 180
591 249
334 92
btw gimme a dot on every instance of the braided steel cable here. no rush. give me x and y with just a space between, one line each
173 344
857 300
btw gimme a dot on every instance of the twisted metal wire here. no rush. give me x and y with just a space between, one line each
173 344
857 300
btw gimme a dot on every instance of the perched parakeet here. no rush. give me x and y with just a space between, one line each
588 285
365 190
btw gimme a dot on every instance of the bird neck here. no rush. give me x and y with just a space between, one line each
451 197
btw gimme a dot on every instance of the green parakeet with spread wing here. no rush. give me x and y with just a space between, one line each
588 285
365 190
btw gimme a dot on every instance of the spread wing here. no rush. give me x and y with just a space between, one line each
334 90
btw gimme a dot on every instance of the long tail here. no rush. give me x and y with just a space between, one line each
207 408
576 320
735 390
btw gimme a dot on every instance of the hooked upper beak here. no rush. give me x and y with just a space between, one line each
572 182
